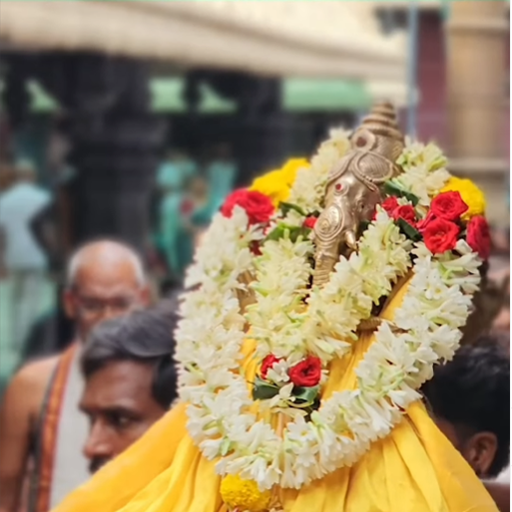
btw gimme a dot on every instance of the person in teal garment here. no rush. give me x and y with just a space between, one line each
196 213
189 203
221 173
175 171
171 179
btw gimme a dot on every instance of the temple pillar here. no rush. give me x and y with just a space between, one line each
115 143
476 90
260 128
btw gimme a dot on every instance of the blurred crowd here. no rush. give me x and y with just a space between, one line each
187 193
73 405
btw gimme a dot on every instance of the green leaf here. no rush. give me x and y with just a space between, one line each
278 232
306 396
394 189
293 232
263 390
409 231
286 207
225 447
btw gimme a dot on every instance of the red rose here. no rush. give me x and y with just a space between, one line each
440 235
390 205
310 222
422 224
307 373
479 236
448 206
267 364
258 206
407 213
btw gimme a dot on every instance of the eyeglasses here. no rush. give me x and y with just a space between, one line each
95 307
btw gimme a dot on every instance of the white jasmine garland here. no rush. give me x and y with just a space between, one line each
309 187
396 364
282 323
424 170
278 373
425 330
287 322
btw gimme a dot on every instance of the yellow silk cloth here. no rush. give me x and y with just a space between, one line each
414 469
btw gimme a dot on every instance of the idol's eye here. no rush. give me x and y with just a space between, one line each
339 188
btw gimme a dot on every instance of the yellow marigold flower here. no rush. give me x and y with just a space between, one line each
470 193
272 185
278 183
245 495
291 168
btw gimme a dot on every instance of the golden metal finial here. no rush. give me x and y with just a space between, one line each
354 187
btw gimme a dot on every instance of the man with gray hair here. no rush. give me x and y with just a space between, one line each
39 418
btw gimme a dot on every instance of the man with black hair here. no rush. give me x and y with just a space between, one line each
470 398
41 430
130 380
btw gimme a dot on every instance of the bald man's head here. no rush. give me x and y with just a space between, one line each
105 279
108 257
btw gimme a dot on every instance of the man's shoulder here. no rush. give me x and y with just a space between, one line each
27 389
38 194
34 376
26 192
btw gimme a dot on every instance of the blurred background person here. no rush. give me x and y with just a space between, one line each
22 259
171 179
501 324
39 419
221 173
130 380
7 177
470 400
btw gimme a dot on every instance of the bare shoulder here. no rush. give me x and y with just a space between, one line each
37 372
30 382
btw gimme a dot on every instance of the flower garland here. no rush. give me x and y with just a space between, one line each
283 326
424 169
277 184
309 187
298 331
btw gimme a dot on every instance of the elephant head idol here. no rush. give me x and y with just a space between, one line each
353 187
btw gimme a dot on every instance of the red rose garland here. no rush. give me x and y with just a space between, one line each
390 205
258 206
479 237
397 211
307 373
267 364
310 222
440 235
407 213
448 206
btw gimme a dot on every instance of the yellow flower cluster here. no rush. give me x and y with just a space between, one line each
245 495
278 183
470 193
